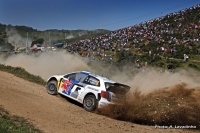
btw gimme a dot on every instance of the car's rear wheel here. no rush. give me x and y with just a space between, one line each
90 103
52 87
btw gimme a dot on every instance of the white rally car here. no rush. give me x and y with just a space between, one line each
91 90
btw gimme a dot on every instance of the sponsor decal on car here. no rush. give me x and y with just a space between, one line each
92 88
67 86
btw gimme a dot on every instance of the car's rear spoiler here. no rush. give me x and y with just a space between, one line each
119 88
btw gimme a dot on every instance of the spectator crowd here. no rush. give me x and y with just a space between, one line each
182 27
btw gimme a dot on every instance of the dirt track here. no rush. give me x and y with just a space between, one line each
54 114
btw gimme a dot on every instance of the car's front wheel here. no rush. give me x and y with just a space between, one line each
90 103
52 87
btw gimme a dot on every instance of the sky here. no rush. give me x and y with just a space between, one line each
86 14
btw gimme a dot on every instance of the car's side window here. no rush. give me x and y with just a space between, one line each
92 81
70 76
80 77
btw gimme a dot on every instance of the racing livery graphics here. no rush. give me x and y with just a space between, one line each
67 85
91 90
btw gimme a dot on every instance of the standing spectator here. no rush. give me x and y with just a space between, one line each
185 57
149 52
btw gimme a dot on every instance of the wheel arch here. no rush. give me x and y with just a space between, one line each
55 79
90 93
52 78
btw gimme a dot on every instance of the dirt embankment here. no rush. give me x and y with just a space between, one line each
57 114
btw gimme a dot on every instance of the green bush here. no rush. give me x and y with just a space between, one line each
22 73
192 66
15 124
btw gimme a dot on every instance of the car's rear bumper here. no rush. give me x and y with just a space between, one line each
104 103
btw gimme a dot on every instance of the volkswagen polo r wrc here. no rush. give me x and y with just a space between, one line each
91 90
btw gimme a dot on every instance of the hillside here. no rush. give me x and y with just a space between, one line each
17 35
154 42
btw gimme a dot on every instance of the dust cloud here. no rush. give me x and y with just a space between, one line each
47 64
158 98
15 39
69 37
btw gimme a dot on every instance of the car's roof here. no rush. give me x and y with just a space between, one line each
96 76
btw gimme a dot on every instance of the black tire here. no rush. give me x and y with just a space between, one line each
52 87
90 103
